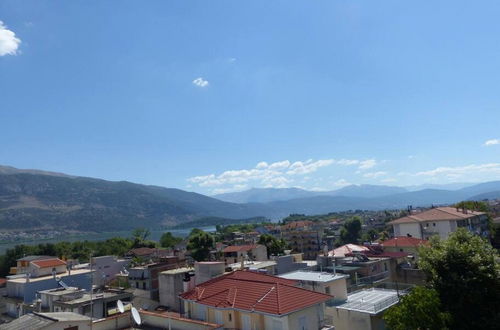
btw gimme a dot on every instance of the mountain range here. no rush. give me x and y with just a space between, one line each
33 199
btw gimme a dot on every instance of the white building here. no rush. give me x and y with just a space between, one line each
363 310
440 221
328 283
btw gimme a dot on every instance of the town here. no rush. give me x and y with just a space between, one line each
324 273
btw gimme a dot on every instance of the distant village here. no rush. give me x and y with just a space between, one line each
296 274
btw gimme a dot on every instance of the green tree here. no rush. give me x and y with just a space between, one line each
420 309
200 245
140 237
274 246
350 231
167 240
464 272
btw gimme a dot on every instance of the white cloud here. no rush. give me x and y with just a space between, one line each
278 174
492 142
308 166
462 171
388 180
374 175
261 165
9 43
367 164
200 82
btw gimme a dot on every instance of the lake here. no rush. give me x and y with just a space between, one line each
155 236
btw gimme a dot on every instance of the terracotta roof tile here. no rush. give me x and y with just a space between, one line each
251 291
48 263
438 214
238 248
404 241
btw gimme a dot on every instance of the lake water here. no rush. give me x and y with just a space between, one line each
155 236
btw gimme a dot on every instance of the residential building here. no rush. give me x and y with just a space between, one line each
328 283
49 321
406 244
234 253
206 270
440 221
148 254
80 301
22 289
303 237
266 267
144 278
107 267
363 310
289 263
172 283
23 264
250 300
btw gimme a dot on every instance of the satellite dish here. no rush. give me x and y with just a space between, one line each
136 316
121 308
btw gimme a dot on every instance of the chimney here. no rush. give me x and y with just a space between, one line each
27 277
54 273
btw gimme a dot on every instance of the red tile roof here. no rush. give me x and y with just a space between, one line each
438 214
346 249
239 248
404 241
48 263
255 292
296 224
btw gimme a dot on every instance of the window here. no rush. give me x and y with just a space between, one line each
385 266
144 285
434 224
230 317
137 285
327 290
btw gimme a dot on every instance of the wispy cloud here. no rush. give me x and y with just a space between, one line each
492 142
374 175
200 82
367 164
278 174
9 43
462 171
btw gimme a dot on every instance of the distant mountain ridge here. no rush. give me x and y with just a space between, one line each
33 199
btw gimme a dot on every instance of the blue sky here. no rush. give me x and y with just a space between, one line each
215 96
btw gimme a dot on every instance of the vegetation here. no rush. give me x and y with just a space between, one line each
140 238
274 246
167 240
466 275
218 221
420 309
351 231
80 250
200 244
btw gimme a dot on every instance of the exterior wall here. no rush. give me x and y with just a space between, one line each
441 228
287 264
349 320
81 325
259 253
107 267
37 272
338 289
403 229
171 285
205 271
310 315
28 290
277 323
